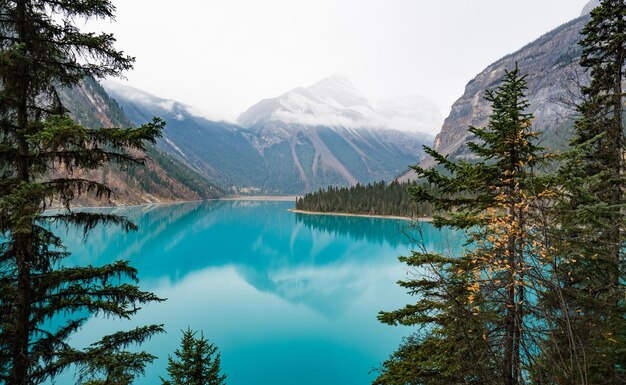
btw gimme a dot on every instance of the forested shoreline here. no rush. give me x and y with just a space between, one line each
536 295
382 199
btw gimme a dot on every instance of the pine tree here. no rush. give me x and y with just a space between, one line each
478 305
42 49
601 124
449 347
374 198
588 345
197 362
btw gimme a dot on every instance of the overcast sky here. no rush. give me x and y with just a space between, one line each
222 56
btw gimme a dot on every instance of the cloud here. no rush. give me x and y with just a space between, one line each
225 55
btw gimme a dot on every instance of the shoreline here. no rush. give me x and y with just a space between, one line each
421 219
260 198
267 198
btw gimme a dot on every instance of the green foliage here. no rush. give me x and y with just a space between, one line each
42 51
379 198
589 218
475 309
152 182
451 346
90 106
544 267
185 175
197 362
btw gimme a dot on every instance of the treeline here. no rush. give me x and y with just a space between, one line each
380 198
537 294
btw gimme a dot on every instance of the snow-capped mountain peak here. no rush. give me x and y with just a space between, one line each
335 102
338 90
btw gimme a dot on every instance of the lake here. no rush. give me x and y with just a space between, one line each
288 298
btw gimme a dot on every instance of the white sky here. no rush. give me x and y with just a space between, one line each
222 56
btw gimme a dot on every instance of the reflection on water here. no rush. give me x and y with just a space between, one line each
375 230
288 298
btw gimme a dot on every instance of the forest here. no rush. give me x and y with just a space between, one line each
537 295
379 198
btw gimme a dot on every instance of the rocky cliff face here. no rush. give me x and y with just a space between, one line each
162 179
551 65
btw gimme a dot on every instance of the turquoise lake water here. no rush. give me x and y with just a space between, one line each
288 298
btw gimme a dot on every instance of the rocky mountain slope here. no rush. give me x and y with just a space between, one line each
327 134
218 150
551 63
162 179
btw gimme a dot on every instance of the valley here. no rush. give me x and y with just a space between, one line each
218 210
306 139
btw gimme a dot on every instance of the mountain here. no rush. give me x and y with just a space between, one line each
551 63
162 179
330 134
590 6
218 150
326 134
335 102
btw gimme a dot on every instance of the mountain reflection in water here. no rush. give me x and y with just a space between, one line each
288 298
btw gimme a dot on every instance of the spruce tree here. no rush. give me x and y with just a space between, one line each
477 306
588 345
197 362
449 347
42 49
601 126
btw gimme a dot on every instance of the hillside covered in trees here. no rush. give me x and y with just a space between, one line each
162 177
533 295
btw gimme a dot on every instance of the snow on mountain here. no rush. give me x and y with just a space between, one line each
306 139
339 91
178 111
335 102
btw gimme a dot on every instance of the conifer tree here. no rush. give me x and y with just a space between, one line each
449 347
601 125
372 199
197 362
588 345
42 49
478 305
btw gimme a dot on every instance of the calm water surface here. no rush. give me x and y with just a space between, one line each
288 298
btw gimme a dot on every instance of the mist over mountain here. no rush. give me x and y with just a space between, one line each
308 138
335 102
589 7
162 179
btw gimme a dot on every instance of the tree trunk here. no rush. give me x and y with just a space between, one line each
22 242
510 320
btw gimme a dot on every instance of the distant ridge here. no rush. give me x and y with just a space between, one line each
306 139
162 179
